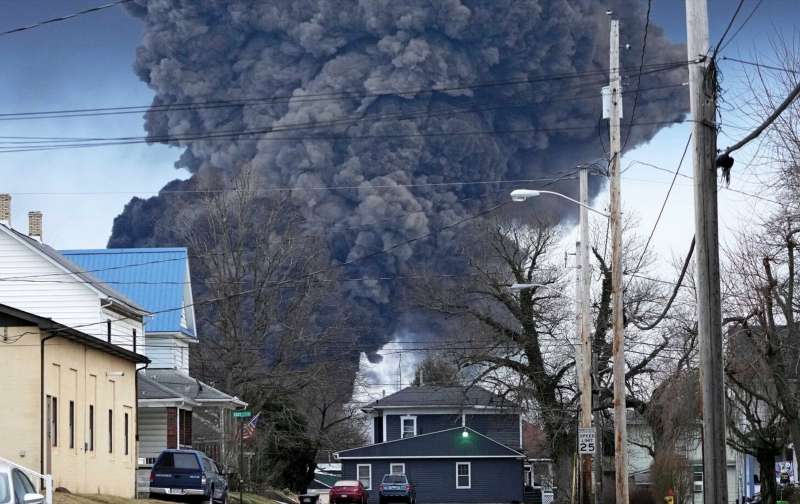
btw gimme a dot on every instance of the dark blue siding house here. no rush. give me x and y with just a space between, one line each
455 444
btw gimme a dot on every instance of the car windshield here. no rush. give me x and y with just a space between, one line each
346 483
178 461
5 489
394 478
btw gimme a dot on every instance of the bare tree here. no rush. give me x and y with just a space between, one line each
273 332
524 341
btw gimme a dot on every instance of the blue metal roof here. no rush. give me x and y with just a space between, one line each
155 278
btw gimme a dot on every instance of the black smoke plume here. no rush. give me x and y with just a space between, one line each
503 68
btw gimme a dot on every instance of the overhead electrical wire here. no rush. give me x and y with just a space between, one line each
641 67
663 205
63 18
313 97
760 65
747 20
727 29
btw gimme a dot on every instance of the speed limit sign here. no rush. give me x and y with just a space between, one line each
586 441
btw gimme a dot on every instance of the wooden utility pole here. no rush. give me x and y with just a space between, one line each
584 328
618 346
702 90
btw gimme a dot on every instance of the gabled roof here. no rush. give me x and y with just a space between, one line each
450 443
10 316
91 281
156 278
151 390
184 386
426 396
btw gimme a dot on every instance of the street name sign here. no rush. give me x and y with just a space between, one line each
242 414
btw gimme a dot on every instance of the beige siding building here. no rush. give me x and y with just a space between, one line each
72 404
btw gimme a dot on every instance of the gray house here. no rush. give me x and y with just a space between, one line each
455 444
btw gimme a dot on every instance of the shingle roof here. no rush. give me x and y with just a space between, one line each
447 443
152 390
77 270
154 277
184 385
442 396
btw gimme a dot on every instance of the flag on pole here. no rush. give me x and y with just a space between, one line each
249 429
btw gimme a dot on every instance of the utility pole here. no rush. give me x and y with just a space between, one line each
584 330
702 90
618 345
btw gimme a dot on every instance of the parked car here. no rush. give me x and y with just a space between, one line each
348 491
396 487
16 487
187 475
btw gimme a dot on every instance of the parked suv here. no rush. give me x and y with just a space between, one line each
187 475
396 487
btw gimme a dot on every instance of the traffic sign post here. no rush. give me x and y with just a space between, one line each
586 441
242 415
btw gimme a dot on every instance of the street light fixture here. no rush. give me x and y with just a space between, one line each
520 195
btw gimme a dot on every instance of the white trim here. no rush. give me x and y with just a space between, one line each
402 427
469 475
397 464
358 478
384 428
520 433
463 419
420 457
372 419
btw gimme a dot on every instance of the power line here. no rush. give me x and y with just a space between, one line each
63 18
641 66
760 65
747 20
663 205
314 97
727 28
236 135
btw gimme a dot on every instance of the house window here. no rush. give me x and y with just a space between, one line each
398 469
408 426
463 475
110 431
90 441
72 424
127 451
54 420
364 475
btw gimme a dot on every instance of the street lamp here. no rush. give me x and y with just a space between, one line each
520 195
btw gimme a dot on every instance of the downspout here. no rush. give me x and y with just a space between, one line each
41 402
136 415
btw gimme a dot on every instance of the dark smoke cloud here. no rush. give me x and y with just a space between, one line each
214 50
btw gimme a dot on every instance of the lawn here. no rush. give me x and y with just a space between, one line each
65 498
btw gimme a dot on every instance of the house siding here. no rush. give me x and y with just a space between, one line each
493 480
426 424
71 303
392 427
503 428
81 375
377 429
152 433
166 351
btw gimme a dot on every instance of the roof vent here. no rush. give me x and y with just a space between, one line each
35 225
5 209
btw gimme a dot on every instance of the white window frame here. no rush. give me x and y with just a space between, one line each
402 472
402 425
469 475
358 474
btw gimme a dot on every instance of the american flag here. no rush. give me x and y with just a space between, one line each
249 429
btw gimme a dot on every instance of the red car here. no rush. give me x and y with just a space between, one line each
348 491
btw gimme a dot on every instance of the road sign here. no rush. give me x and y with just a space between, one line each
586 441
242 414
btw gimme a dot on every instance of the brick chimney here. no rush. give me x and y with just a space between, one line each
5 209
35 225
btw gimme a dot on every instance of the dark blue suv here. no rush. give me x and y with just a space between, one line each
187 475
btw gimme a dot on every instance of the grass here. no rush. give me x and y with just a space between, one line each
233 498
